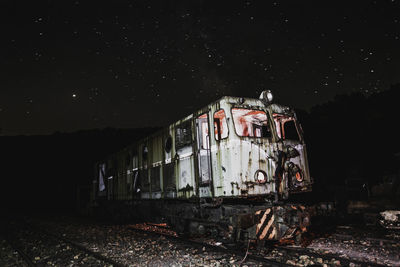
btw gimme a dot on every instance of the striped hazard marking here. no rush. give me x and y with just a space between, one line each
265 228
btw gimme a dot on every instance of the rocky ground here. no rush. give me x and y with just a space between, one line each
132 248
369 244
8 256
40 249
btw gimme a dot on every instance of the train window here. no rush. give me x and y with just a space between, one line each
183 134
145 152
155 179
102 174
220 125
202 131
286 127
144 183
169 177
251 123
290 130
135 161
168 144
111 168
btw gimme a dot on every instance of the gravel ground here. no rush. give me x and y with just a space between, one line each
301 259
368 244
43 250
133 248
8 256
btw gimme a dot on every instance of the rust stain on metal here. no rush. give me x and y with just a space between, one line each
242 150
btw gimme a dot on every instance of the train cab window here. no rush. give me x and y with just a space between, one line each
183 135
168 144
286 127
251 123
202 131
220 125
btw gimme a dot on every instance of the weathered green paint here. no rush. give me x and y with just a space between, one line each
234 160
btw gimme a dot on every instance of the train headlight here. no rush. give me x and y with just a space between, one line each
267 96
261 177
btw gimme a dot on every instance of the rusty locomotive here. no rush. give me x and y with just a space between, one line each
226 170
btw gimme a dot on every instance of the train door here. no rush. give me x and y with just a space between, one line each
204 155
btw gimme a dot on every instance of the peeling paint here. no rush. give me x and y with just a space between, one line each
225 157
234 148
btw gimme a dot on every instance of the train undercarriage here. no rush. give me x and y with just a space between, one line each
230 221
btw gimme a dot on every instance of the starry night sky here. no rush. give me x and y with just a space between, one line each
70 65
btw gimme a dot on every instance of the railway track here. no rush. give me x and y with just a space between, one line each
272 255
96 255
196 243
329 256
348 237
33 235
20 252
289 253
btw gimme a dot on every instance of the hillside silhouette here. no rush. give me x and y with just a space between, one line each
352 136
43 172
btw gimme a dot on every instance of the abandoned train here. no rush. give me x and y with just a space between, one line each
226 170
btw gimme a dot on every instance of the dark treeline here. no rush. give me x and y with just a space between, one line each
353 136
43 172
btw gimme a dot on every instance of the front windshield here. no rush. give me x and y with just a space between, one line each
286 127
250 122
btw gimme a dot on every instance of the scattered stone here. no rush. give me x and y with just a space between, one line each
137 249
336 262
304 257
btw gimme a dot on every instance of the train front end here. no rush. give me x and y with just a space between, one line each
264 162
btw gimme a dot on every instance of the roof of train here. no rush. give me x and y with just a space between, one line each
163 129
230 99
